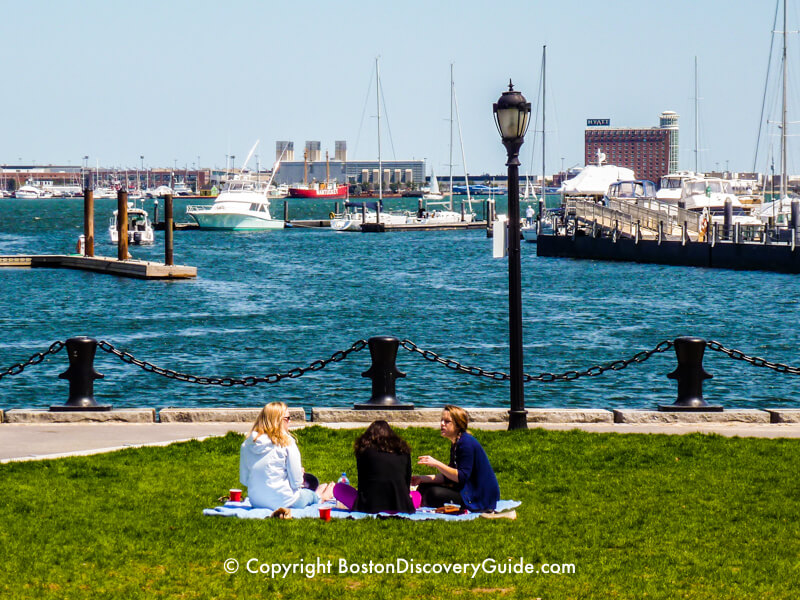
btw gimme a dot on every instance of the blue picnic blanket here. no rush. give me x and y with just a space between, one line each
243 510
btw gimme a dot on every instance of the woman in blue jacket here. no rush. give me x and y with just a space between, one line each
468 480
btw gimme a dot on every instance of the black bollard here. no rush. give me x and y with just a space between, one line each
690 375
383 372
81 376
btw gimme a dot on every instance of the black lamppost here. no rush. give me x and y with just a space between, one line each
511 114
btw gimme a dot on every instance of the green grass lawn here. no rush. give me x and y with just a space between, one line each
640 516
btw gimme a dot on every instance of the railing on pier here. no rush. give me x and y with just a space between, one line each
646 215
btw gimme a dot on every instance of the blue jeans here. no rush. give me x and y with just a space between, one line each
306 498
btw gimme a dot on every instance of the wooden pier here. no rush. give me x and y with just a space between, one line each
139 269
386 227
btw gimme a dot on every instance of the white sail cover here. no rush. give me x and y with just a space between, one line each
594 180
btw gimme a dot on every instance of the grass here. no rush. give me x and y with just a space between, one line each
640 516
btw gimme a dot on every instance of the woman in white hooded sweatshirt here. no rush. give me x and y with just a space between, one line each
270 467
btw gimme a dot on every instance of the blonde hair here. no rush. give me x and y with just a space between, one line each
270 422
459 416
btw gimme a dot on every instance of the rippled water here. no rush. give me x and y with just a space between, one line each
266 302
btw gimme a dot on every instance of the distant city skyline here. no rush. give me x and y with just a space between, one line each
188 84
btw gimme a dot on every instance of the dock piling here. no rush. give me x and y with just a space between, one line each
122 225
285 211
88 221
168 231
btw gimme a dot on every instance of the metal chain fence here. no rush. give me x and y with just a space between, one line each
231 381
593 371
753 360
429 355
54 348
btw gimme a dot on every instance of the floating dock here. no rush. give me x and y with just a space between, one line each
386 227
138 269
176 226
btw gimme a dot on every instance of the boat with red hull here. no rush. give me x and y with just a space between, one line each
333 191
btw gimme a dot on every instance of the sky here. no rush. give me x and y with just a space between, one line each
188 82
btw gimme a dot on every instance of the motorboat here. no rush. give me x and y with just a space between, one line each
632 190
181 188
28 192
710 194
158 192
242 205
140 229
32 190
671 185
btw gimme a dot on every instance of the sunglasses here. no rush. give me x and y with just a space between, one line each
287 418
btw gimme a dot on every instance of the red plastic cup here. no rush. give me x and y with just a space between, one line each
235 495
325 513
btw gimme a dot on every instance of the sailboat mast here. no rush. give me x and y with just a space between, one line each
451 137
544 99
783 110
378 100
461 141
696 120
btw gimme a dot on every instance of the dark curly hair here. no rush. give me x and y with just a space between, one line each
381 437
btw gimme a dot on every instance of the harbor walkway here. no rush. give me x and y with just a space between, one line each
38 441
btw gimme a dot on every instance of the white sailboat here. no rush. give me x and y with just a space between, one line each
446 214
434 193
543 223
357 213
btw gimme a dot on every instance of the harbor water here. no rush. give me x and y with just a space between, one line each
265 302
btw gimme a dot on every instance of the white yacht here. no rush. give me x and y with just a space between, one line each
181 188
671 185
140 229
242 205
709 194
33 189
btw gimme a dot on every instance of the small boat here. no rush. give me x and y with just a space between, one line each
433 193
140 229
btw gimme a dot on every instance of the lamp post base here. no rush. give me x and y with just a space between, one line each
517 419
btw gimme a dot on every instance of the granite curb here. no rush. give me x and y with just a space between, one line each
734 415
327 415
215 415
122 415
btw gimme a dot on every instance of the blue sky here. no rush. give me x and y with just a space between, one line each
176 80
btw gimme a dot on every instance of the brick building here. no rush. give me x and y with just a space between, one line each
651 152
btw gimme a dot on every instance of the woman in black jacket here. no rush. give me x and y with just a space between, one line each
383 459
